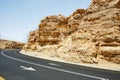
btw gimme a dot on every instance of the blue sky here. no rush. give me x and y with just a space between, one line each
19 17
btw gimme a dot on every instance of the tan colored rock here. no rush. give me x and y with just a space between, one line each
5 44
75 18
101 26
85 36
54 29
100 5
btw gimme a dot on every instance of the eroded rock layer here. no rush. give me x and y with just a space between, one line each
6 44
53 29
85 36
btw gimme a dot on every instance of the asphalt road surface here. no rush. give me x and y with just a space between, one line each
16 66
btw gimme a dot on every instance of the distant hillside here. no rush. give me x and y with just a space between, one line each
6 44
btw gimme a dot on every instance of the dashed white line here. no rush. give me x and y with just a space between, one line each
57 69
53 64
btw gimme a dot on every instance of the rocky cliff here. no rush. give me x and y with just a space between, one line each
85 36
54 29
5 44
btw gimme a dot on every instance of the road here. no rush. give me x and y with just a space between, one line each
16 66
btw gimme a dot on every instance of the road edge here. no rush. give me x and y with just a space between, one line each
82 64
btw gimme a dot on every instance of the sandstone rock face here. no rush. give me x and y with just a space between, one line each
54 29
101 26
51 31
75 18
51 28
85 36
5 44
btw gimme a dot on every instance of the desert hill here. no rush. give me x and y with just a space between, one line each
7 44
87 36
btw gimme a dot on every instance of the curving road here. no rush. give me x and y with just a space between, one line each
15 66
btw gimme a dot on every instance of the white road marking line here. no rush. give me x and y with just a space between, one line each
48 67
53 64
27 68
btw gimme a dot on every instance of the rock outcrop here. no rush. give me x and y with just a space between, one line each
85 36
53 29
5 44
75 18
49 31
101 26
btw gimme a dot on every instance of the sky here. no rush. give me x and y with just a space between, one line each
19 17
